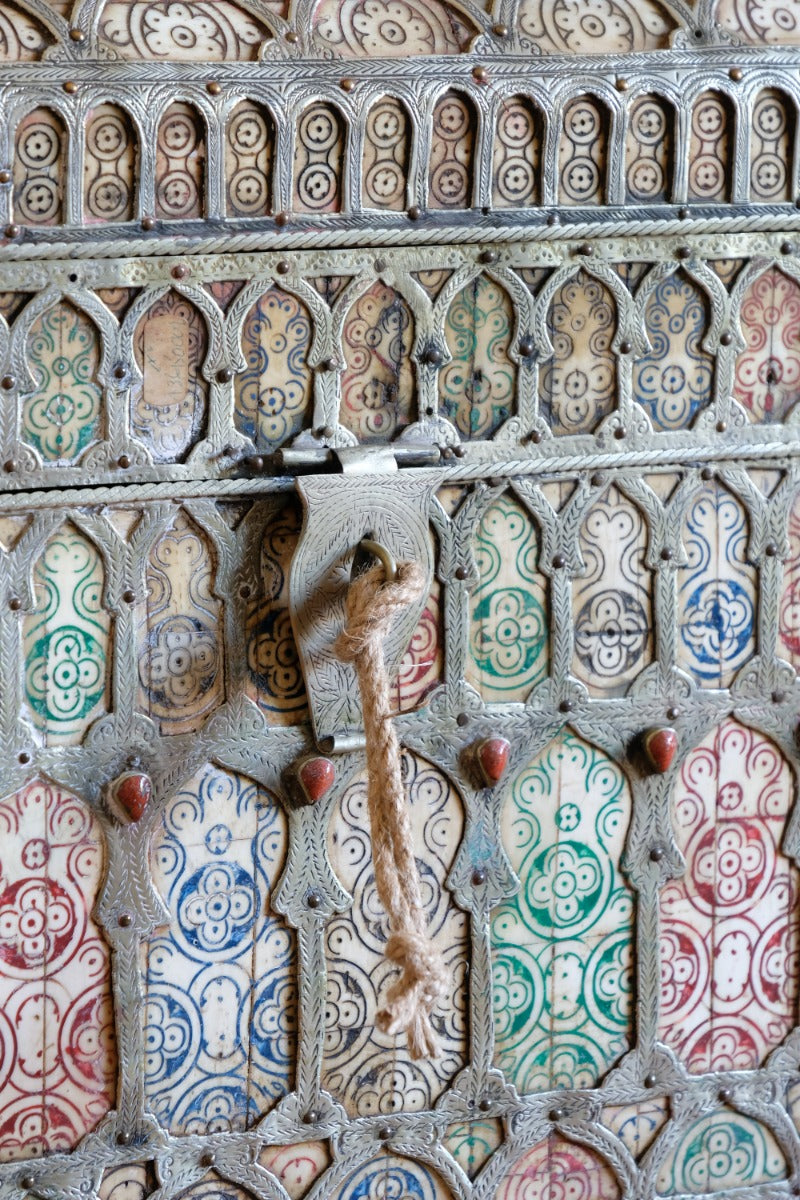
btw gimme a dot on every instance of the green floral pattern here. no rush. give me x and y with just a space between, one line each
562 947
62 416
719 1153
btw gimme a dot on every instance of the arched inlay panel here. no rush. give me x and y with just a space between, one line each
368 1071
58 1056
517 154
420 668
611 602
319 160
249 151
220 1014
730 928
721 1153
577 386
180 164
63 415
562 948
389 1176
583 152
556 1167
772 139
767 381
649 150
674 380
181 674
716 589
169 400
477 388
66 639
193 30
390 28
613 27
40 159
710 145
378 387
450 179
509 637
789 618
109 168
274 391
384 169
274 676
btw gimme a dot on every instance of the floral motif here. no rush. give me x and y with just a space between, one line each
673 382
378 381
181 663
594 26
37 923
767 382
559 1170
273 393
62 415
194 30
577 385
721 1153
477 387
216 908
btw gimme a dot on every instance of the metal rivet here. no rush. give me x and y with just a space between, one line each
478 877
557 1114
559 560
282 267
208 1158
526 347
124 920
597 479
484 1105
724 1095
487 256
148 223
347 84
128 596
500 31
721 426
5 177
459 451
462 719
650 1080
433 356
27 1182
385 1133
311 1117
584 248
778 697
535 436
673 713
735 74
282 218
8 382
656 854
291 37
666 554
684 212
179 272
414 213
480 74
707 473
625 347
725 338
429 411
23 757
77 35
683 252
224 375
460 572
255 462
245 591
621 85
770 549
70 86
313 900
380 265
124 1139
553 219
565 706
12 231
787 248
327 364
619 433
213 87
120 371
123 461
327 431
9 465
15 604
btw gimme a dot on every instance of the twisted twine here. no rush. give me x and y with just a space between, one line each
372 605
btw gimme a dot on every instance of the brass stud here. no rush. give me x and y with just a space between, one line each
620 433
770 549
9 465
282 218
584 248
462 719
683 252
656 854
282 267
597 479
625 347
128 596
124 1139
707 473
208 1158
414 213
313 900
77 35
487 256
433 356
460 572
180 272
23 757
70 86
559 561
778 697
526 347
735 74
721 426
650 1080
8 382
485 1105
459 451
311 1117
673 713
553 219
125 920
666 554
327 431
787 248
255 462
213 87
500 31
123 461
480 74
12 231
385 1133
557 1114
5 177
566 706
684 212
725 1095
14 603
478 877
621 85
27 1182
224 375
347 84
148 223
291 37
380 265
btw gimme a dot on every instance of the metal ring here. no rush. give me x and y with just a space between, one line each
386 558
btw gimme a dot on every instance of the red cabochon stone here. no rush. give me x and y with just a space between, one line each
493 758
316 777
660 746
133 791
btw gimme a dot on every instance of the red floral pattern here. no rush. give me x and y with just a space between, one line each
767 379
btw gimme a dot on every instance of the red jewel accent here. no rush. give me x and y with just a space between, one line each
660 747
316 776
493 758
133 791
